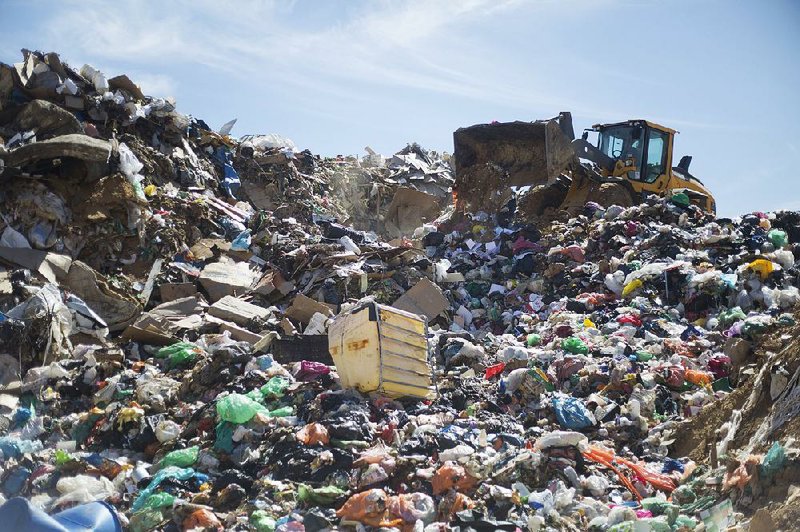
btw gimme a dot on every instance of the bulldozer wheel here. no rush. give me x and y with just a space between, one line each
613 194
539 199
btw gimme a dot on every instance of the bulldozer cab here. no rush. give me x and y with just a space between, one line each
641 151
630 160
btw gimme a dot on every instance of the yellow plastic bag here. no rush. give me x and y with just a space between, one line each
632 287
764 267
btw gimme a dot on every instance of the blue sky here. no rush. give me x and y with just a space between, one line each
338 75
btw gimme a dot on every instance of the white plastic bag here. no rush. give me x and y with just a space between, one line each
13 239
83 489
130 166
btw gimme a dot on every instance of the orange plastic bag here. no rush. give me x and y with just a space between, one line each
699 378
450 476
369 508
452 503
313 434
202 519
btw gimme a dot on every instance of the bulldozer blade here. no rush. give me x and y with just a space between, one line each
491 158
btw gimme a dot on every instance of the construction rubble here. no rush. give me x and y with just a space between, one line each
205 332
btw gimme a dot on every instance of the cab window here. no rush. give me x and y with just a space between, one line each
656 155
621 141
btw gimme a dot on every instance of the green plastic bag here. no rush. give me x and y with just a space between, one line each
731 316
574 345
684 495
681 198
238 408
158 478
275 388
159 500
778 238
179 354
774 460
324 496
282 412
661 507
657 524
62 457
146 520
685 522
533 339
261 521
625 526
753 328
224 440
181 457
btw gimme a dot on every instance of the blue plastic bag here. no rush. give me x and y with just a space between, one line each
571 413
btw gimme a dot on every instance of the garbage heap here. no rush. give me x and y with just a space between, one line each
172 297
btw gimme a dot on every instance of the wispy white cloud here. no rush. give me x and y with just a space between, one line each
411 44
159 85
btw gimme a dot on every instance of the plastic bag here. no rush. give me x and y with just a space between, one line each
130 166
764 267
574 345
275 388
699 378
450 476
146 520
533 339
83 488
159 500
369 508
413 507
730 316
179 354
561 438
167 430
261 521
13 239
778 238
313 434
242 241
632 287
572 413
494 370
237 408
181 457
324 496
12 447
202 519
773 461
310 370
158 478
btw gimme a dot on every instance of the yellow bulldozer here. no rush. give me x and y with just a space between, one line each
548 170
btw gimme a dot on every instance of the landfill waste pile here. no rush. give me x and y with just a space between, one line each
201 332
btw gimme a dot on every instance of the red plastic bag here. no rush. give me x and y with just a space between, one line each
496 369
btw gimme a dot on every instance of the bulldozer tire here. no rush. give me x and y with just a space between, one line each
613 194
540 200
